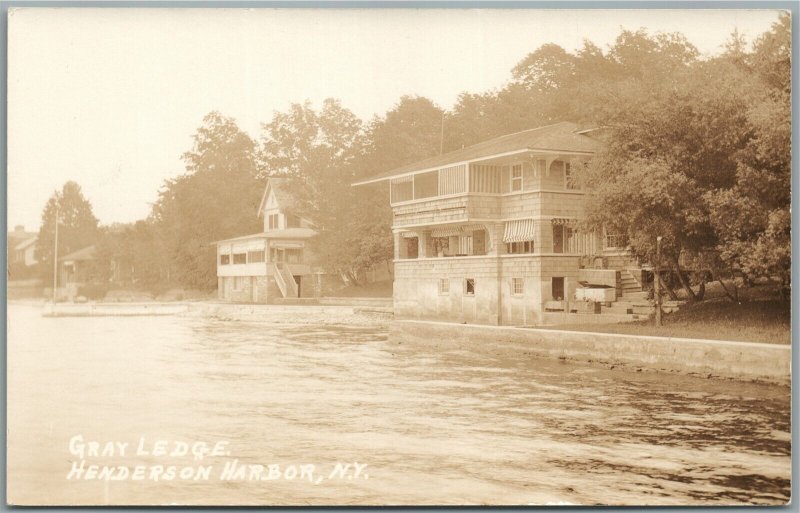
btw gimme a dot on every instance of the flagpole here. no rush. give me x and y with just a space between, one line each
55 256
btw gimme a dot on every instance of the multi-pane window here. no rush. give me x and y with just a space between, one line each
255 256
516 177
469 287
273 221
444 285
571 178
224 259
525 246
516 286
240 258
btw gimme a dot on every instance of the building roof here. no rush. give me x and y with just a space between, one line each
564 136
279 185
19 234
87 253
287 233
26 243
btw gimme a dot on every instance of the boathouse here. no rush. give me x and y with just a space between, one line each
271 265
490 233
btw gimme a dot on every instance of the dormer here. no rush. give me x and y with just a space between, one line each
277 205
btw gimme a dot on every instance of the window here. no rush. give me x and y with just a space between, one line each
516 177
516 286
224 259
240 258
469 287
558 288
273 221
571 179
525 246
615 241
255 256
465 245
444 286
412 247
561 237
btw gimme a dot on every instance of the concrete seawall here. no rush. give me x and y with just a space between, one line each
714 358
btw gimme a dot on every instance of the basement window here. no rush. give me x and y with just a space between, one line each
469 287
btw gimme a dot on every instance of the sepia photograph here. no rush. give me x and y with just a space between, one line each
395 256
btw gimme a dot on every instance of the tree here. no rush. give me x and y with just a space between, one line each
753 216
77 227
216 198
712 155
317 151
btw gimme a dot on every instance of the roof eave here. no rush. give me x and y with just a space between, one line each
470 161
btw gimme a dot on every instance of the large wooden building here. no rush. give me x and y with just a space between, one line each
273 264
489 233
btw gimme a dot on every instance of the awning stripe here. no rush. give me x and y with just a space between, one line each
472 228
564 221
519 230
450 231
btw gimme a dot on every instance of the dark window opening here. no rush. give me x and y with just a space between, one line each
469 287
558 288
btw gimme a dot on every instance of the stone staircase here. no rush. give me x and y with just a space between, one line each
629 285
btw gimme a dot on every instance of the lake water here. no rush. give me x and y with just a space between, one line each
432 427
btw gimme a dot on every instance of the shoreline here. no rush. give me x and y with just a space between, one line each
738 360
743 361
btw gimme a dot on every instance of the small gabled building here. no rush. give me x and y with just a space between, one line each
491 233
273 264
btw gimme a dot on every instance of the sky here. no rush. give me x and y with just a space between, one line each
110 98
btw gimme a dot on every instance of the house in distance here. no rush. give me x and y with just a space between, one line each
268 266
489 234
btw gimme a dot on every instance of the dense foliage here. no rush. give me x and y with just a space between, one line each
77 227
698 152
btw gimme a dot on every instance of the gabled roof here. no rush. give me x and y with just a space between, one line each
563 137
87 253
278 185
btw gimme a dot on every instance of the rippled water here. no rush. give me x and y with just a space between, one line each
452 427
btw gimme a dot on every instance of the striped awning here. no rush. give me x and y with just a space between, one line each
564 221
472 228
519 230
450 231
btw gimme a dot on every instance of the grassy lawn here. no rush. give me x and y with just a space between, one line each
758 320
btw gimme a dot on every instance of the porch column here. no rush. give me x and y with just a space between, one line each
495 245
400 249
425 249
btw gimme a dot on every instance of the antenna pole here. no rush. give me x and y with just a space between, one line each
55 254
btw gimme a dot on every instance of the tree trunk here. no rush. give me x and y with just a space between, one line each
727 293
701 291
690 295
672 295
